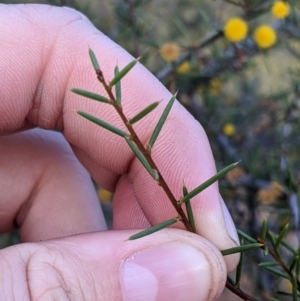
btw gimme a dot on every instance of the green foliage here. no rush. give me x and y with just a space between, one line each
94 60
189 209
90 95
154 229
143 113
207 183
120 74
161 122
268 242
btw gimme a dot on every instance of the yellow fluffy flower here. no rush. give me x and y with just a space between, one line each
215 86
235 30
265 36
169 52
104 195
185 67
269 194
229 129
280 9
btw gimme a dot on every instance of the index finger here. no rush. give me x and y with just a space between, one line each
44 55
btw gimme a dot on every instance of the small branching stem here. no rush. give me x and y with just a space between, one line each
239 292
160 179
277 258
146 153
284 267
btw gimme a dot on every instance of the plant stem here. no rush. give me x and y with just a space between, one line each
237 291
134 137
284 267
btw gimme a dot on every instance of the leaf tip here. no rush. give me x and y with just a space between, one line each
94 60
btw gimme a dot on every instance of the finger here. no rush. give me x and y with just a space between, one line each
60 39
45 191
169 265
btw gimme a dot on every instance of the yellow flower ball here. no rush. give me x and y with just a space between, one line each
265 36
229 129
169 52
280 9
269 194
235 30
185 67
215 86
104 195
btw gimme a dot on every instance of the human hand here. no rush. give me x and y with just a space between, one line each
48 194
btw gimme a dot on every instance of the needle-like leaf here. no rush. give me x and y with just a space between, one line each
144 112
246 236
118 87
161 122
241 249
238 273
103 124
142 158
292 263
268 264
94 60
273 242
189 209
264 230
154 229
91 95
298 267
207 183
277 272
284 294
281 236
294 288
285 244
123 72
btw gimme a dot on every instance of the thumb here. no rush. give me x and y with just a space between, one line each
169 265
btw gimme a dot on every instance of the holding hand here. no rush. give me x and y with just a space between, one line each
48 194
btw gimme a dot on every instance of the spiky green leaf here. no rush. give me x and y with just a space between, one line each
278 272
123 72
238 273
94 60
209 182
294 288
298 267
91 95
281 235
246 236
103 124
118 87
140 156
264 230
268 264
144 112
241 249
154 229
189 209
273 242
161 122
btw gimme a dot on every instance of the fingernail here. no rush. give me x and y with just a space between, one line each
172 271
231 230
